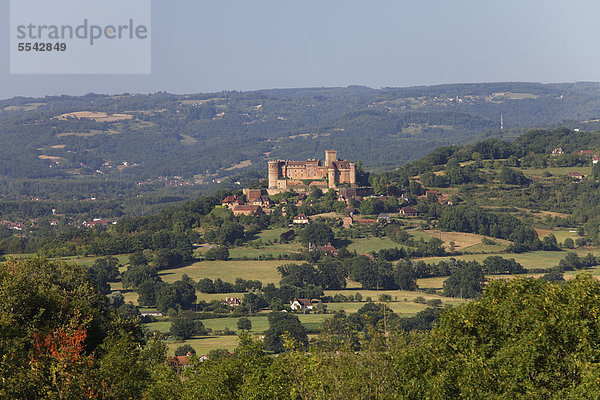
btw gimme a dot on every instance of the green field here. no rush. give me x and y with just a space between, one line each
271 234
562 234
275 250
419 234
259 324
366 245
264 271
534 259
26 107
87 261
204 344
485 248
557 171
398 297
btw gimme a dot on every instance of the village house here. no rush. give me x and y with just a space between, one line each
441 198
232 301
151 314
301 219
369 256
587 153
231 201
100 222
17 226
329 250
263 201
301 304
557 151
409 211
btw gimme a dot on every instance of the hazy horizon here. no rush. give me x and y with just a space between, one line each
208 46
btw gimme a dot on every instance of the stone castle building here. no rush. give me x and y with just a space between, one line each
284 175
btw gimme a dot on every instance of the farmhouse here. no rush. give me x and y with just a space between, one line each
329 250
301 304
301 219
232 301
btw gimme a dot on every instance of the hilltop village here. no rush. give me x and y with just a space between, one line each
334 176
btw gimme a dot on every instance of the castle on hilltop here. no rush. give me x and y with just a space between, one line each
284 175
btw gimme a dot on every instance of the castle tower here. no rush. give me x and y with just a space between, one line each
273 174
330 156
331 178
352 174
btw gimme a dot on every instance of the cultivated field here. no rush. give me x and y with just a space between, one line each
264 271
462 240
531 260
96 116
367 245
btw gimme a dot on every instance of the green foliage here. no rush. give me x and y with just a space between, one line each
463 218
59 340
217 253
317 233
184 350
568 243
499 346
103 270
553 276
244 324
184 326
371 206
513 177
396 233
138 274
465 282
499 265
279 324
178 295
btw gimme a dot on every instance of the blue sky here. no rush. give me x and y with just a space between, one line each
205 46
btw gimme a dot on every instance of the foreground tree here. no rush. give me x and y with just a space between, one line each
60 339
522 339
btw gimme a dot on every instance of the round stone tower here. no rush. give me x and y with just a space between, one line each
273 174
